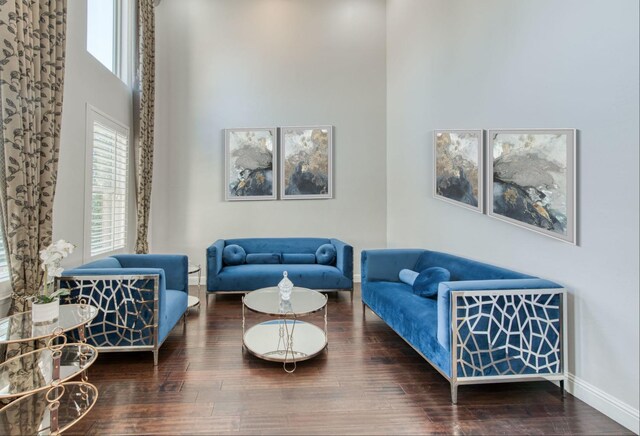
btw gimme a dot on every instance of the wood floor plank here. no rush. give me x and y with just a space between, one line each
369 381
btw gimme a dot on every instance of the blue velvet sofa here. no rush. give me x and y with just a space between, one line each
297 256
486 324
140 298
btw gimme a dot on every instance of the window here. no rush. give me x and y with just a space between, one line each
109 157
4 265
109 34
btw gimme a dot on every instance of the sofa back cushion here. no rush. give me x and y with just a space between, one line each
107 262
262 258
465 269
279 245
298 258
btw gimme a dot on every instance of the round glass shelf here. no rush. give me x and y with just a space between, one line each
31 415
33 372
303 302
264 340
20 327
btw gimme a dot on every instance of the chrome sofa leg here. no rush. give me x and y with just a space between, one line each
454 393
155 357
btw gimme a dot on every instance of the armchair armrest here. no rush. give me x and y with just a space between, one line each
130 318
214 262
385 265
444 297
344 258
175 266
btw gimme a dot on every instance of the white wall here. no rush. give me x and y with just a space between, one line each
542 63
86 81
244 63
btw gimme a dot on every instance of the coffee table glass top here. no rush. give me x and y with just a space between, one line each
33 371
303 301
30 415
20 328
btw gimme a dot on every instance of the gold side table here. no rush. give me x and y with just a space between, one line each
47 402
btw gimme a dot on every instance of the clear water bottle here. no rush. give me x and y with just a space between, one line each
285 286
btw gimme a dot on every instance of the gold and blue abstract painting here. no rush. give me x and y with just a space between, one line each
458 167
533 180
250 164
306 162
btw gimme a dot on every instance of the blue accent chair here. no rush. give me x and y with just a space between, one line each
487 324
297 256
140 298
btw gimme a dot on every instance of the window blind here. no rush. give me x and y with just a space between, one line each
109 189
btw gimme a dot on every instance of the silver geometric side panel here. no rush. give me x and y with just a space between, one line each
508 334
127 308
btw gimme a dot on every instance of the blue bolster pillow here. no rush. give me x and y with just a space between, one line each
255 258
408 276
298 258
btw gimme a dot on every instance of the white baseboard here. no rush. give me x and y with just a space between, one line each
605 403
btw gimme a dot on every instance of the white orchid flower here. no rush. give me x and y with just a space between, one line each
51 258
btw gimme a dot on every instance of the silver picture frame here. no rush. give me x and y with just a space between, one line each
450 181
251 163
306 162
531 180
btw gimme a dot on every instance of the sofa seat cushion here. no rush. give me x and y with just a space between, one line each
173 306
413 317
251 277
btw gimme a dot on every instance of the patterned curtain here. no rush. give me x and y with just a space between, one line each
145 118
33 36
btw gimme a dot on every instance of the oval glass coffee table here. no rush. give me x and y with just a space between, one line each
285 339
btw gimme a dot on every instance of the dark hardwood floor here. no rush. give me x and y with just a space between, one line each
369 381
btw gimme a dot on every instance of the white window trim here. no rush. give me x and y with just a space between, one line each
91 113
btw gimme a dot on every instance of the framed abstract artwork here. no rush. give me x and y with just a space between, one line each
251 164
306 162
532 180
458 164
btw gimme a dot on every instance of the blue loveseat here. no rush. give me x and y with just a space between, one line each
487 324
140 298
297 256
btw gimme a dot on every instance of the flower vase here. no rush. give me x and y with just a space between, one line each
42 313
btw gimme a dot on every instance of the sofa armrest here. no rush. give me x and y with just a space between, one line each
385 265
175 266
444 298
134 310
214 261
344 258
